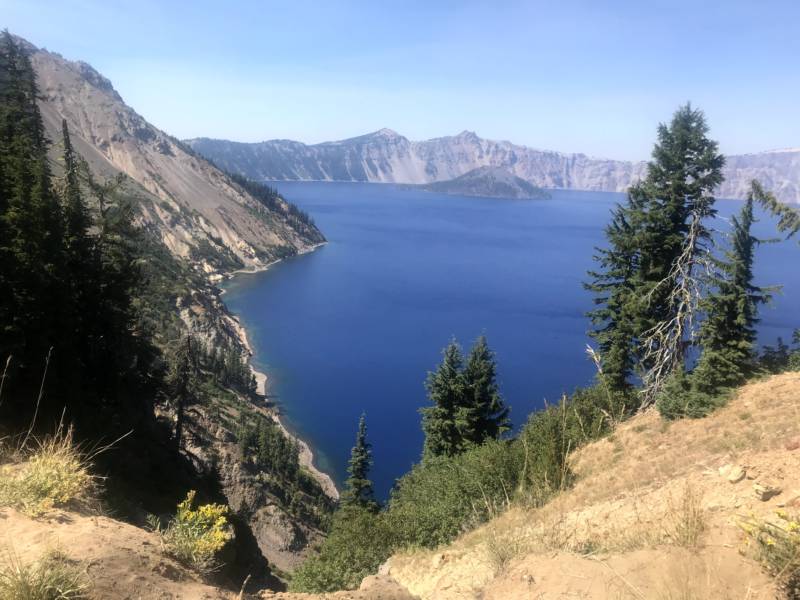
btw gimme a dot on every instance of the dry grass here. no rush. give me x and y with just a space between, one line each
53 474
647 450
687 522
53 577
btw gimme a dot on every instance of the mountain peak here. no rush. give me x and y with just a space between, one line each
387 133
467 135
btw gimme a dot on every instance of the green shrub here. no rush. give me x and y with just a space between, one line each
358 542
51 578
195 537
680 399
443 497
552 433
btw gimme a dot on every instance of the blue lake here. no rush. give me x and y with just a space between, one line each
356 325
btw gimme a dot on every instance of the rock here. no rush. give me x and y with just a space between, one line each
765 491
725 469
791 500
438 560
736 474
793 444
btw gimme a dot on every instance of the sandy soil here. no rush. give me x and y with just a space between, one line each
120 560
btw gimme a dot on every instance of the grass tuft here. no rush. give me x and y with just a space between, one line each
53 577
688 522
55 473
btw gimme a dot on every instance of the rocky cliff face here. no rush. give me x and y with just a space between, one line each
387 157
197 211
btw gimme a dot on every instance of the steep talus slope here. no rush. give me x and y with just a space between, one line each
387 157
622 531
197 211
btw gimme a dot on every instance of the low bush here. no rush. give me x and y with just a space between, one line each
552 433
358 543
443 497
680 399
195 537
53 577
55 474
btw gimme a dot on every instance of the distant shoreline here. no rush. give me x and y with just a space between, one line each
306 457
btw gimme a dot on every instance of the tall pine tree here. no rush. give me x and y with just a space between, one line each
358 487
674 241
31 233
728 334
486 412
649 283
613 286
444 421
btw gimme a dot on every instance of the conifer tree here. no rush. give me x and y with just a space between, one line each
359 490
788 216
484 410
444 421
31 236
728 334
649 283
673 242
184 371
613 286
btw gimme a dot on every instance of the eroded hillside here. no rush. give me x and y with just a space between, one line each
656 512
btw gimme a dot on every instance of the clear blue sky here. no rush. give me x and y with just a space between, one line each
574 75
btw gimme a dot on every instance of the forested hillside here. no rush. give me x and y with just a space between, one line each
112 236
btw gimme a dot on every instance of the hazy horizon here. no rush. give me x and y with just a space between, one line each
578 78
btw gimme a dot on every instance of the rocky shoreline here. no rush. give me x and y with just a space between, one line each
306 455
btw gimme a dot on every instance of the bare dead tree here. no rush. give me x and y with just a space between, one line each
664 345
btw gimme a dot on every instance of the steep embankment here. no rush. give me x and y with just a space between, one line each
655 513
209 226
387 157
195 208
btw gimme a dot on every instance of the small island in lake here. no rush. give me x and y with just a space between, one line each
488 182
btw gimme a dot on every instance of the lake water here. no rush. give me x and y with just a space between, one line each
356 325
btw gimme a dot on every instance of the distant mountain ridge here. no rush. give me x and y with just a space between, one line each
487 182
388 157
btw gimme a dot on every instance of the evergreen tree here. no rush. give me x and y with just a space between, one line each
648 284
444 421
358 490
788 216
184 372
676 199
31 233
728 333
484 410
613 286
